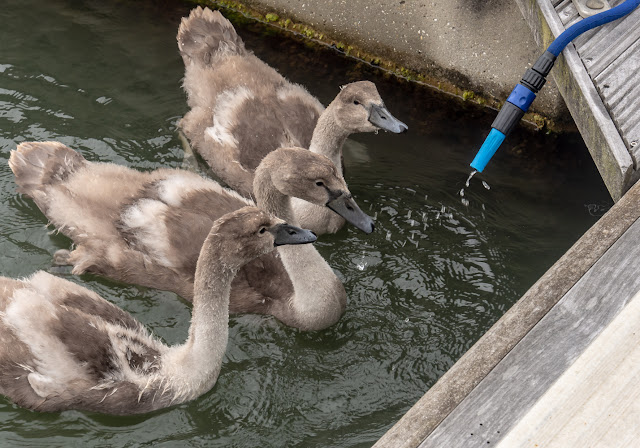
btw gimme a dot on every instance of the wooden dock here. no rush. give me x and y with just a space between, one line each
562 367
598 77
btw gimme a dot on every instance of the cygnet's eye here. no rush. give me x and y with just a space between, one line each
356 102
262 230
319 183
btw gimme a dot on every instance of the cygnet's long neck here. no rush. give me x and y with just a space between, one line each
319 298
328 137
269 198
193 368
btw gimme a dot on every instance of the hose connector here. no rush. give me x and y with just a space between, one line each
535 78
514 109
487 150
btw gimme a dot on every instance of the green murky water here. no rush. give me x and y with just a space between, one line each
104 78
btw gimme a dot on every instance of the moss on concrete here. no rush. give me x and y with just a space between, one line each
271 17
534 120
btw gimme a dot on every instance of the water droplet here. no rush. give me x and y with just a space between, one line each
375 216
388 235
425 197
438 215
362 263
461 193
407 319
469 178
465 202
486 185
443 209
483 207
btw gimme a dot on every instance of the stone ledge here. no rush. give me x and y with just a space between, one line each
474 49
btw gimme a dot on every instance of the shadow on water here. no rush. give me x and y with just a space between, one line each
104 78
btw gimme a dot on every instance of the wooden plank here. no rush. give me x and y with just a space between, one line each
582 43
596 402
621 92
546 352
568 13
610 41
587 108
456 384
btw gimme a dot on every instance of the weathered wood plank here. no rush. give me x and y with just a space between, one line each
587 108
496 405
568 13
596 401
476 364
619 86
610 41
589 39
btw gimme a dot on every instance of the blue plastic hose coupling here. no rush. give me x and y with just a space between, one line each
487 150
508 117
514 109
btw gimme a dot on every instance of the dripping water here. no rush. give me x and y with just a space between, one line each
466 184
361 263
464 200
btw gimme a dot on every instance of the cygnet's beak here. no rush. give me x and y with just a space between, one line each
382 118
287 234
345 206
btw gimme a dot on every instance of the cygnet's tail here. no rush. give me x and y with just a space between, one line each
206 35
40 164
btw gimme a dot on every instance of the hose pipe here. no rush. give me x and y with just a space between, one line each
534 79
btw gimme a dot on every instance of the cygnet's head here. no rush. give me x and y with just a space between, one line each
250 232
314 178
359 108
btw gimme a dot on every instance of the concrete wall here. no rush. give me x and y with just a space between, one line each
483 46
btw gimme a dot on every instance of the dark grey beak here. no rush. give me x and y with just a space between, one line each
381 117
286 234
346 207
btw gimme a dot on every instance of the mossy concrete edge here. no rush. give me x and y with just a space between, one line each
442 83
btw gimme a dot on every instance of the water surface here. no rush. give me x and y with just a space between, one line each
104 78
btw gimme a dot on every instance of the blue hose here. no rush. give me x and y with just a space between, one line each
589 23
535 77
